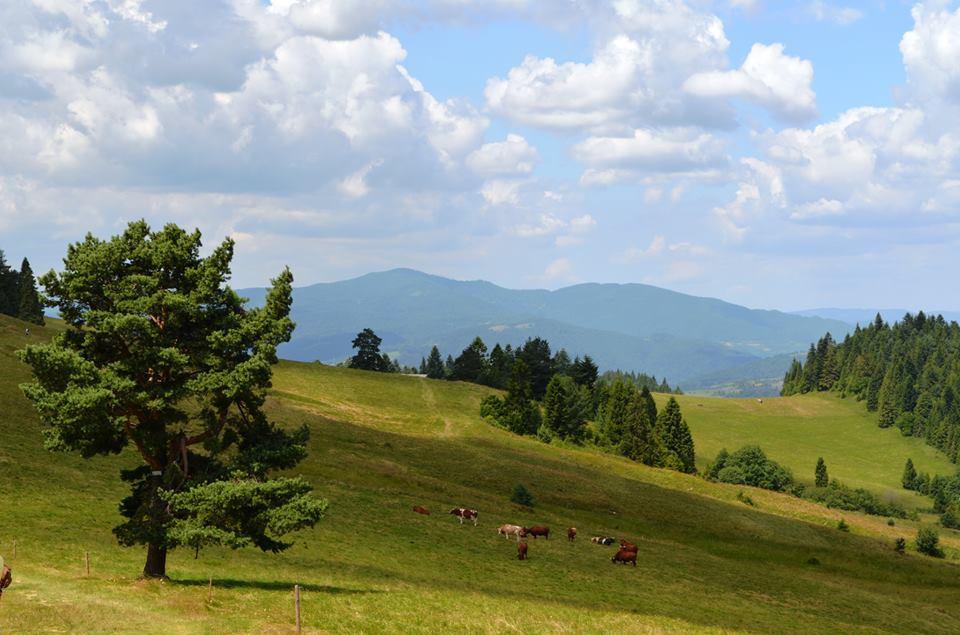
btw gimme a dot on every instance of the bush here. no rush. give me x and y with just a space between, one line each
900 545
842 525
891 522
750 466
813 560
928 542
743 498
839 496
492 408
950 517
521 496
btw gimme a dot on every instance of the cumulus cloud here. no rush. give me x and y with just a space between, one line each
671 150
826 12
509 157
768 78
930 52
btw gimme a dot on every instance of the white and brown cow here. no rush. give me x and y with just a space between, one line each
465 514
511 530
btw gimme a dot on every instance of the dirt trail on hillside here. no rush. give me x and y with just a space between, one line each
430 401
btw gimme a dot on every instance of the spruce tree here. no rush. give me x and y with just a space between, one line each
640 441
564 410
435 368
612 418
9 288
521 414
472 362
821 479
161 356
585 372
676 438
909 479
29 307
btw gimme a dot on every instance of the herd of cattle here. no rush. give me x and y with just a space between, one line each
626 554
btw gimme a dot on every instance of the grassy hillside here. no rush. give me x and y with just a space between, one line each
796 430
384 443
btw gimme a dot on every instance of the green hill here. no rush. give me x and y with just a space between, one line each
383 443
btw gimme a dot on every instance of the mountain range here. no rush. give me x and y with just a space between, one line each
622 326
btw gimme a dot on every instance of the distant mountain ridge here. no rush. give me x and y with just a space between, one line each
865 316
626 326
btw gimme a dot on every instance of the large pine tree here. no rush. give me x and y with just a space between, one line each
820 477
640 441
29 307
677 440
435 368
9 288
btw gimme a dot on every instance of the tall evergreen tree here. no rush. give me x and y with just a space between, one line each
29 307
435 368
640 441
368 355
612 415
821 479
160 355
472 362
565 408
521 414
677 440
9 288
584 372
535 353
909 479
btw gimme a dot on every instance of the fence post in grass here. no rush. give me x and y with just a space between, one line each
86 562
296 601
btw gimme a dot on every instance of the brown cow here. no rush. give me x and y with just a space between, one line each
537 530
623 557
421 510
465 514
6 577
511 530
522 551
572 534
627 545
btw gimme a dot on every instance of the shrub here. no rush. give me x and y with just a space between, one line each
950 517
900 545
813 560
928 542
750 466
743 498
718 464
839 496
842 525
891 522
492 408
522 496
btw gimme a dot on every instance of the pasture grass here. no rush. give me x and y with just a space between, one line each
381 444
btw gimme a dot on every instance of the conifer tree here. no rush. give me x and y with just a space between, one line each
9 288
435 368
612 418
29 307
521 414
472 362
564 408
909 479
368 355
160 355
640 441
821 479
585 372
676 438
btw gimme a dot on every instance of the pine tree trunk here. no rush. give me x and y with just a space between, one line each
156 565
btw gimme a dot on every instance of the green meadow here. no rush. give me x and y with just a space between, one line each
383 443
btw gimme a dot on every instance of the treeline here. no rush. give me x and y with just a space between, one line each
626 418
19 297
909 373
474 364
944 490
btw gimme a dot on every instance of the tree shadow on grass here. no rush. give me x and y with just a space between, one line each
272 585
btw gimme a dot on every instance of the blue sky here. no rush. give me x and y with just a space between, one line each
788 154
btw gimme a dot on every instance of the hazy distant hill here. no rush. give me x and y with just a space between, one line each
865 316
627 326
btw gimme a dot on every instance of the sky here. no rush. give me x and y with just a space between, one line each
790 154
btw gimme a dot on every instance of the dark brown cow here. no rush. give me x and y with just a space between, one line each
421 510
522 551
465 514
5 577
627 546
572 534
623 557
537 530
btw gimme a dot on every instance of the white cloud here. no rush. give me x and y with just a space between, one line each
768 78
560 270
355 185
501 192
826 12
671 150
817 209
513 156
930 52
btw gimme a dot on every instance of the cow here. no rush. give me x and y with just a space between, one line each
623 557
511 530
537 530
465 514
627 545
572 534
522 551
421 510
600 540
6 577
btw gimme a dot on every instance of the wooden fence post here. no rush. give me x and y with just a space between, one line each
296 600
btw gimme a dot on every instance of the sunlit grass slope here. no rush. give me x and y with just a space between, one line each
384 443
796 430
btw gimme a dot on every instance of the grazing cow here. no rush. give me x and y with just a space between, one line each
627 545
522 551
421 510
511 530
5 576
600 540
572 534
623 557
538 530
465 514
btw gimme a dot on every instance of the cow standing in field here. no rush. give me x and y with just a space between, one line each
465 514
6 578
422 510
511 530
572 534
522 551
538 530
624 556
627 545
